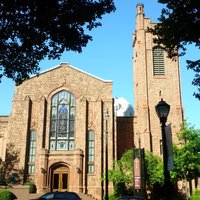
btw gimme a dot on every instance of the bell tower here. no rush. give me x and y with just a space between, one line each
155 77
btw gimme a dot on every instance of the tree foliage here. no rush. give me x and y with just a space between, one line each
35 29
186 165
154 169
187 153
122 174
10 171
180 25
123 171
195 195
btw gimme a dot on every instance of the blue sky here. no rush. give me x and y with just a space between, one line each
109 56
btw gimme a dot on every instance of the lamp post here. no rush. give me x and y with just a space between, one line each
106 156
162 110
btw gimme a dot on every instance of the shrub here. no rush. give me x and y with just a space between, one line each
195 195
120 189
112 197
32 187
6 195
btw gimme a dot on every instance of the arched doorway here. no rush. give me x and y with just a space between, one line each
60 178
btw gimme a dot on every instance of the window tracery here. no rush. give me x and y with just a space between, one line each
62 121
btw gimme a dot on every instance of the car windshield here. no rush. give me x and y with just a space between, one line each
129 198
61 195
48 196
66 195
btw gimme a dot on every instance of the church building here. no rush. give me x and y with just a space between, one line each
57 127
58 122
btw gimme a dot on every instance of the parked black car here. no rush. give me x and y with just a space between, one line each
130 198
59 196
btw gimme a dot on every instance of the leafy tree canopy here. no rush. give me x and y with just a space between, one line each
35 29
187 154
180 25
123 169
154 169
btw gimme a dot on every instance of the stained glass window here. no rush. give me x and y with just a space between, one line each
32 152
62 121
90 152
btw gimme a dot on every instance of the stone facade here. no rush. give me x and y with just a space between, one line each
150 88
31 111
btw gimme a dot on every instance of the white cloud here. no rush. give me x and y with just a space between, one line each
122 107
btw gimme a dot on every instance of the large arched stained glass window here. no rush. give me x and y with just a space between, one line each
62 121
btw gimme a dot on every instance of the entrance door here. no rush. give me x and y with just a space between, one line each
61 179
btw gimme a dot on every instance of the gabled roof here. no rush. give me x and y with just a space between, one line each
65 64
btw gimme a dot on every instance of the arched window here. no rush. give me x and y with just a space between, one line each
62 121
32 152
91 137
158 61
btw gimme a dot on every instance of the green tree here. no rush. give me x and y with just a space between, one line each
122 174
154 169
35 29
180 25
187 154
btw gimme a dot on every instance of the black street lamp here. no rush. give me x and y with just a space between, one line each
162 110
106 159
